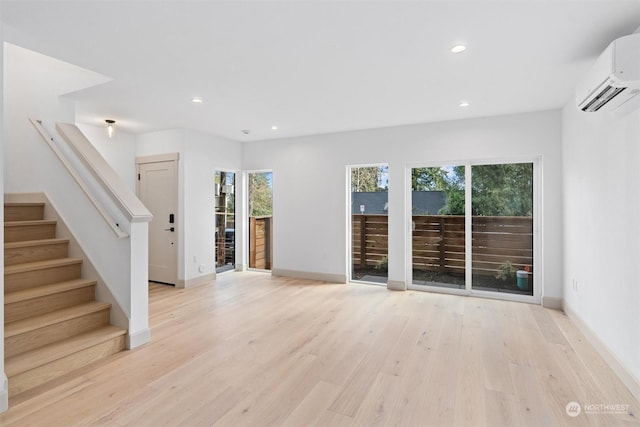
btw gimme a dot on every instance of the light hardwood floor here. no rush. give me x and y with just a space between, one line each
252 350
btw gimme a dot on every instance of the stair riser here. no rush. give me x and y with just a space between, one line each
13 256
30 279
23 213
53 333
42 374
46 304
29 232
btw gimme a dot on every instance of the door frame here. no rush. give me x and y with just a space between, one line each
160 158
536 298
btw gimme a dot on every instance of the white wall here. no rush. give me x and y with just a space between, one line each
200 156
119 151
601 230
310 184
30 91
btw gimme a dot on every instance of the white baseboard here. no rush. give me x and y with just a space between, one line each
396 285
553 303
138 338
4 393
629 380
196 281
322 277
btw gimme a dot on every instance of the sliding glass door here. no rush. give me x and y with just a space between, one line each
472 228
502 220
369 223
438 228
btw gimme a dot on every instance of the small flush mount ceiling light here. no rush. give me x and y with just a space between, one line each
110 125
196 100
463 104
274 127
459 48
245 131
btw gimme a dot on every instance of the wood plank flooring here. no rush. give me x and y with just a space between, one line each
252 350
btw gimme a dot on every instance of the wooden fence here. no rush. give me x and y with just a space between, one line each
439 242
370 239
260 242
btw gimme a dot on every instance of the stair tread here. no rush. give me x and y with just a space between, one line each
40 291
30 222
18 327
39 242
39 265
43 355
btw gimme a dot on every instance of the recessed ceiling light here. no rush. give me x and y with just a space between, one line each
463 104
196 100
459 48
274 127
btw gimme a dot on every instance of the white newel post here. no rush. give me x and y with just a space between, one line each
139 332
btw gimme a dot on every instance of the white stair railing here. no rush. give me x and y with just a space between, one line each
126 202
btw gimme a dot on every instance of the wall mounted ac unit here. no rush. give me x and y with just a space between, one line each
613 83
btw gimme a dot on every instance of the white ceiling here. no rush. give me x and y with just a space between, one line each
321 66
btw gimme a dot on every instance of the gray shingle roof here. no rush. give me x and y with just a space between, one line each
375 203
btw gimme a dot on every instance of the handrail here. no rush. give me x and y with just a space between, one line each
50 141
109 180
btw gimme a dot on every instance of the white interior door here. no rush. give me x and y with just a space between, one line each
157 189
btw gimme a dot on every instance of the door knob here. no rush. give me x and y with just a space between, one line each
172 229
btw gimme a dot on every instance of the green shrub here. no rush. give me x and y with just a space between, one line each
383 264
506 271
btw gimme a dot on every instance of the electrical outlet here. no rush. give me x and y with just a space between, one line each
195 259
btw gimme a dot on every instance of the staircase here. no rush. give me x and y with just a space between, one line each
52 322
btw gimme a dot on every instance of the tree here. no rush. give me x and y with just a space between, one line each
454 191
368 179
449 180
260 194
428 179
502 189
496 190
